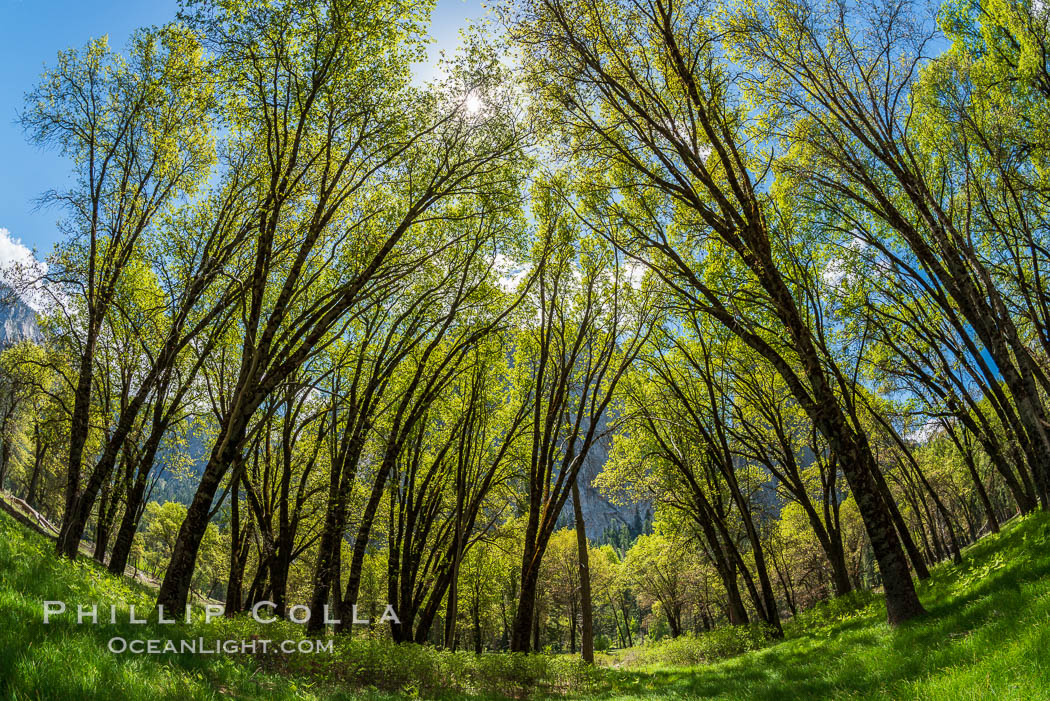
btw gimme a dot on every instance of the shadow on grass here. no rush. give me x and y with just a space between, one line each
974 609
996 602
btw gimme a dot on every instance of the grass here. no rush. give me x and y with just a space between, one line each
987 636
62 660
65 661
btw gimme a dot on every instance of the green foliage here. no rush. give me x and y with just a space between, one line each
985 637
416 670
160 528
696 648
282 212
62 660
824 619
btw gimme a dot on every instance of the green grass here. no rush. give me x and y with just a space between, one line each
63 660
987 636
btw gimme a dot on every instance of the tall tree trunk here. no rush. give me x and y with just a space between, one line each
451 613
107 513
626 622
364 531
674 620
831 544
428 613
902 603
175 588
78 433
329 552
586 610
769 603
325 569
129 523
453 586
133 509
839 569
918 498
982 494
942 510
5 454
917 563
475 612
616 621
573 622
280 564
525 619
79 510
257 590
964 447
39 452
535 631
238 553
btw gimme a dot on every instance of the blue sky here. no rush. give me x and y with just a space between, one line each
31 33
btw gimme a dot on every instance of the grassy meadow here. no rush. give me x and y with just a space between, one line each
987 636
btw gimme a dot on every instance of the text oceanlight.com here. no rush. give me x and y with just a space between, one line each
200 646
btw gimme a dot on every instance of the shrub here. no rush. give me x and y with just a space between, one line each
408 670
699 648
820 619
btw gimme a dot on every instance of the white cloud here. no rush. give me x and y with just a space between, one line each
511 273
926 431
837 268
12 250
19 268
834 272
635 270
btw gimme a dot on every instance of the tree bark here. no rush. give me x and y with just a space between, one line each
965 450
525 619
78 431
39 451
586 609
175 588
326 573
364 530
239 548
5 454
107 512
921 570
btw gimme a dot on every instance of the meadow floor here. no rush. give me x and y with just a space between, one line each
986 636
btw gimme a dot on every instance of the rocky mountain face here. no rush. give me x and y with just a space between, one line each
606 522
17 320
